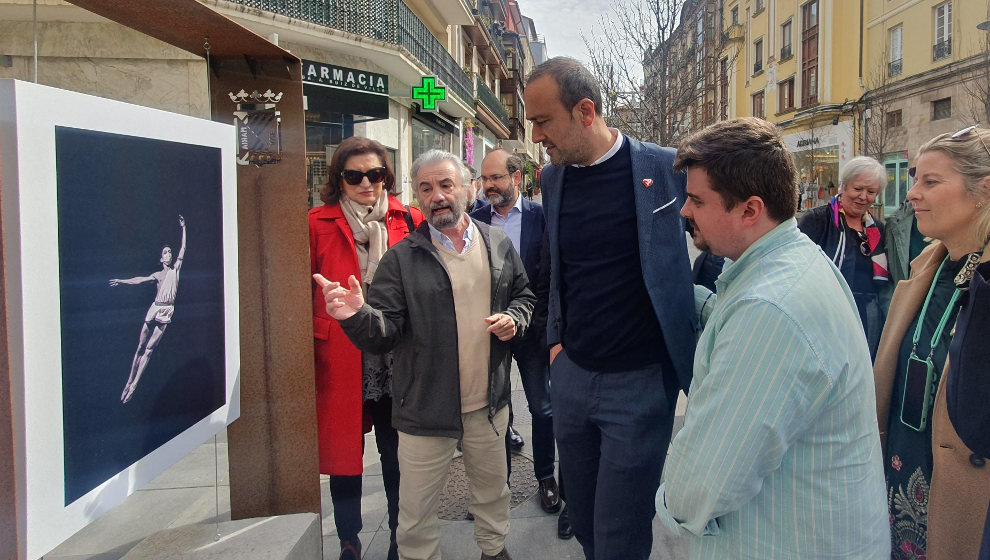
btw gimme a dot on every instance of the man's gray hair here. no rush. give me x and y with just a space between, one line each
439 156
866 166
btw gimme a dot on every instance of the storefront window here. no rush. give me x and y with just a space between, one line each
425 138
818 173
324 130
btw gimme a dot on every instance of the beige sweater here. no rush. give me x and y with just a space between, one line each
471 283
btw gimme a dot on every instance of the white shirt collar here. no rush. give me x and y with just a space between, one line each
516 206
611 151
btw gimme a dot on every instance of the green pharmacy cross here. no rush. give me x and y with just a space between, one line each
429 93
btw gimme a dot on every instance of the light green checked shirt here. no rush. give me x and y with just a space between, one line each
779 456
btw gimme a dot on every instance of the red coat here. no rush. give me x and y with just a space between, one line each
339 401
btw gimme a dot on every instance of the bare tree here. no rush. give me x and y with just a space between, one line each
876 132
657 72
978 85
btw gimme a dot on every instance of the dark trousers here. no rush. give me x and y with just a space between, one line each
345 491
532 357
612 430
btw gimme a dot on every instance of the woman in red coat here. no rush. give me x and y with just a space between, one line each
359 221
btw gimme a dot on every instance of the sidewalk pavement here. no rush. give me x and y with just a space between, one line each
188 493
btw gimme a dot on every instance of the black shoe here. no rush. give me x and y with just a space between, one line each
564 530
516 441
504 555
350 550
549 495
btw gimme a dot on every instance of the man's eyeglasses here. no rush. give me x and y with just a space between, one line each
492 179
374 175
959 134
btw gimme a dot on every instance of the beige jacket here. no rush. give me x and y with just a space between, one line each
960 490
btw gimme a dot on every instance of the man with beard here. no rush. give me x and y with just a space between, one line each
451 351
621 314
523 221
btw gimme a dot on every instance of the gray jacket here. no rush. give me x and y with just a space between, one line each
410 311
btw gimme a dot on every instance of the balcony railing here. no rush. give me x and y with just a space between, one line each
390 21
495 30
488 98
895 67
758 67
415 37
785 52
942 50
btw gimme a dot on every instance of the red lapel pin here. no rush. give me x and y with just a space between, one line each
647 183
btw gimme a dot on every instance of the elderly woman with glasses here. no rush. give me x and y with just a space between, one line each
359 221
938 489
848 234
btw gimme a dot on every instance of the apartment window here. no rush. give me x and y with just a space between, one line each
699 53
758 105
785 93
723 79
894 118
809 53
758 56
760 5
895 65
941 109
735 15
943 32
785 40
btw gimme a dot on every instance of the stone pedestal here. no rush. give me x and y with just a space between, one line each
288 537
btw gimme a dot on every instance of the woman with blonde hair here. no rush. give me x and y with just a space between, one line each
938 489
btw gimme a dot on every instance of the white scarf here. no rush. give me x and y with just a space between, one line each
370 235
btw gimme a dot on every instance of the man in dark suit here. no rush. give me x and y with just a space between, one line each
523 221
621 310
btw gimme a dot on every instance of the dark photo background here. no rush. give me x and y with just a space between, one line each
119 201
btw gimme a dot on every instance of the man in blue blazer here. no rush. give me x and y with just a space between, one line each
621 310
523 221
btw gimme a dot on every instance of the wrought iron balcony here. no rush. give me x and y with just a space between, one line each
390 21
942 50
785 52
757 67
491 102
895 67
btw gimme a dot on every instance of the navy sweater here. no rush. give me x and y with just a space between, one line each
608 319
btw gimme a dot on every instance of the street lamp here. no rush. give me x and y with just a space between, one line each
985 26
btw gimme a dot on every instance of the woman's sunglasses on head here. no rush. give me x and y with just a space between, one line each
960 134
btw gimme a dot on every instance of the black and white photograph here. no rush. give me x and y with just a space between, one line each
141 276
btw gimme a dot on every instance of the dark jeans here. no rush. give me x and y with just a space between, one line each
532 357
612 432
345 491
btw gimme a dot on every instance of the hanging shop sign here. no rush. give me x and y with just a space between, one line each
341 77
338 89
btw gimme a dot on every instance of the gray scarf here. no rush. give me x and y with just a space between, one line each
370 235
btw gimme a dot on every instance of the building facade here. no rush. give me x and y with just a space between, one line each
794 63
928 73
364 63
